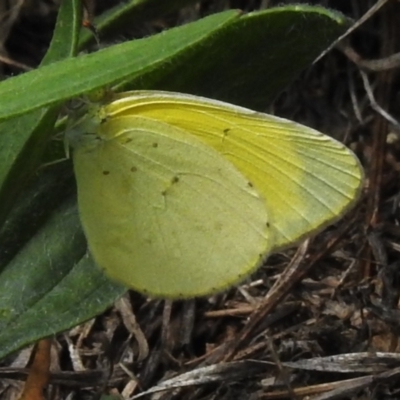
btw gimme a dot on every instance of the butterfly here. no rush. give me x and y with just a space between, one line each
183 196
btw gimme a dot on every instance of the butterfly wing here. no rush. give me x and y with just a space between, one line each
163 212
308 180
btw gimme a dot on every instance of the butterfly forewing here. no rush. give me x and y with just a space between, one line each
307 179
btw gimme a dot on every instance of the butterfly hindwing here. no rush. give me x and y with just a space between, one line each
164 213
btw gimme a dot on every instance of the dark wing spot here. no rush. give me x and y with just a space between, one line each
226 130
133 169
175 179
267 225
106 172
155 145
128 140
250 184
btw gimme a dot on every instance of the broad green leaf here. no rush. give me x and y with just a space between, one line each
50 286
253 59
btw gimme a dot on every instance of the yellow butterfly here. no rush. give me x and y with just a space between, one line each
182 196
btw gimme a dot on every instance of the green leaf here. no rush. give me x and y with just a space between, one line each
49 286
23 139
252 59
73 77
